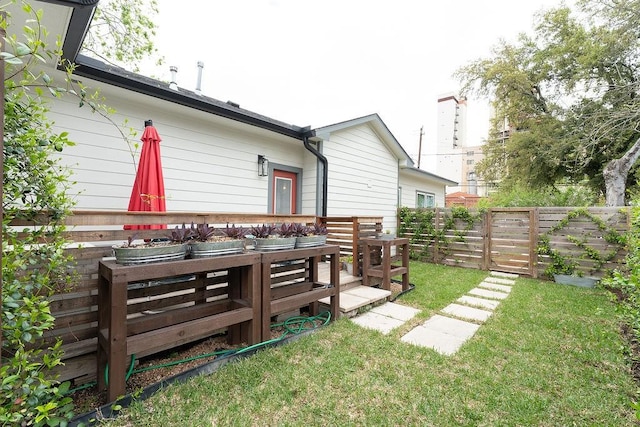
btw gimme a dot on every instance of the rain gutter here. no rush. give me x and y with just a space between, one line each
97 70
79 22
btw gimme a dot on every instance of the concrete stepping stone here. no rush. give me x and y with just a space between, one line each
454 327
441 333
479 292
468 313
353 299
500 281
376 321
495 287
367 292
487 304
503 274
396 311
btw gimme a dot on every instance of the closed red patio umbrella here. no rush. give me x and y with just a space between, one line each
147 194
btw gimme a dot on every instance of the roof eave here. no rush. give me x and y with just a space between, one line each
87 69
430 175
76 31
82 14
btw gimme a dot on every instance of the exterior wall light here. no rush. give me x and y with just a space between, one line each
263 165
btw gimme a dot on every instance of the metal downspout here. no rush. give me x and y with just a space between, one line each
325 166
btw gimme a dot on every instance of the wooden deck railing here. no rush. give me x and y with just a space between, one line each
348 231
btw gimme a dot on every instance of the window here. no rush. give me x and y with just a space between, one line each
470 161
425 200
283 196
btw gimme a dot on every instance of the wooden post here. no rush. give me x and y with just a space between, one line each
486 243
355 235
436 226
534 226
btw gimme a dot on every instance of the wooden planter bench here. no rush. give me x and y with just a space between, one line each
281 296
177 313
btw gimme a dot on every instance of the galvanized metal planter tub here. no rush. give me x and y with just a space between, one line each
583 282
386 236
310 241
209 249
275 244
149 254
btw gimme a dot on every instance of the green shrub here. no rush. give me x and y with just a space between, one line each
34 264
519 196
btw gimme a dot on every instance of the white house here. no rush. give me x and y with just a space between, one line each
211 149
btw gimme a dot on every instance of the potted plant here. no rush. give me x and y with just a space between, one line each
347 262
387 235
174 247
270 237
307 237
562 269
210 241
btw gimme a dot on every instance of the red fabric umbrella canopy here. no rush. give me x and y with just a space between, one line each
147 194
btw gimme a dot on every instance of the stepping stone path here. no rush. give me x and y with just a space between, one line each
454 325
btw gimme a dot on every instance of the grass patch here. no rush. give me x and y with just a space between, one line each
550 355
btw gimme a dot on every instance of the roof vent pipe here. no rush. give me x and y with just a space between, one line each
174 72
199 82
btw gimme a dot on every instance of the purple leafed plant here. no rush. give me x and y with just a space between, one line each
300 229
203 232
181 235
236 233
318 229
262 231
286 230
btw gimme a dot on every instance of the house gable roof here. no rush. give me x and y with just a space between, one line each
424 174
378 126
97 70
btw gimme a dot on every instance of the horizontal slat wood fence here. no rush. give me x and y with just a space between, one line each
93 234
346 232
508 239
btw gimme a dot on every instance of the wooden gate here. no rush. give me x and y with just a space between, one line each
512 240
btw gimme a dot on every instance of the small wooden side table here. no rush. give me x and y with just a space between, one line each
386 270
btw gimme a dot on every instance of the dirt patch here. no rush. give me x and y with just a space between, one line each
157 367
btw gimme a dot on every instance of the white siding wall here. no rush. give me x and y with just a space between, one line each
309 180
363 175
410 184
209 163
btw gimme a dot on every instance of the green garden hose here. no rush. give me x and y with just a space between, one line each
292 326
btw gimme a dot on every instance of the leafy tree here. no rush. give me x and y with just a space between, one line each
569 94
34 263
524 196
127 25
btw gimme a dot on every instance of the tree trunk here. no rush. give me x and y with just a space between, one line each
615 175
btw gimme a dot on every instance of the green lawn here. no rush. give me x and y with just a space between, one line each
549 356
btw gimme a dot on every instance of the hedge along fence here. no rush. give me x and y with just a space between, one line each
528 241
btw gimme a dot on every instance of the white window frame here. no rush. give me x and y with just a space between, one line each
429 199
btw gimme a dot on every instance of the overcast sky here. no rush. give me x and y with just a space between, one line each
319 62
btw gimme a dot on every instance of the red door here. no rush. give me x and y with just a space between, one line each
284 192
